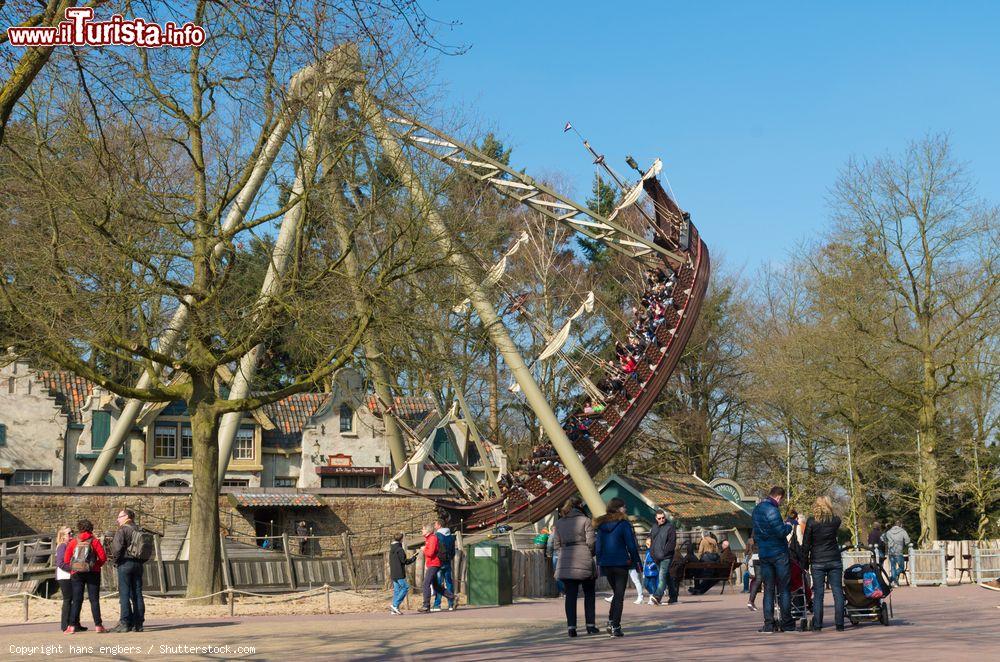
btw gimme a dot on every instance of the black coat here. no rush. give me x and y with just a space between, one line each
398 561
819 542
664 541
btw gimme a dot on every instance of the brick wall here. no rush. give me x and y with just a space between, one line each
369 518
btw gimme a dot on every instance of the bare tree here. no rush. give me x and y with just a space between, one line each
114 203
933 247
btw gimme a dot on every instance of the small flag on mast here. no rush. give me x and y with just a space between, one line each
567 127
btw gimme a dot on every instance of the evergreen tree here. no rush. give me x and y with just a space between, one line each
494 148
602 201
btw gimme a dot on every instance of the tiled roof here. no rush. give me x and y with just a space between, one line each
69 390
410 408
290 416
689 500
249 500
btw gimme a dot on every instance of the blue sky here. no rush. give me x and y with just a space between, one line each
753 107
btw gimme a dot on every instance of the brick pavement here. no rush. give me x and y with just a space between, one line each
954 623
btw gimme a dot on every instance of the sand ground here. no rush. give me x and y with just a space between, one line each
930 623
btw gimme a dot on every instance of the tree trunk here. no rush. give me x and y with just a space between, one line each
204 560
927 458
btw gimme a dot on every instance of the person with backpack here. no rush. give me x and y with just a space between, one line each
445 554
130 549
432 565
397 572
85 555
617 553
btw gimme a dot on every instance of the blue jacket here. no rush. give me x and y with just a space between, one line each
650 567
615 543
770 532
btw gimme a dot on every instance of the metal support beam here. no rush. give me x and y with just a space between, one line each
284 247
300 88
380 373
524 189
467 275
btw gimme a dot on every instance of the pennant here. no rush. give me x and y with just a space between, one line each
567 127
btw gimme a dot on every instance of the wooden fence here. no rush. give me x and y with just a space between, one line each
26 563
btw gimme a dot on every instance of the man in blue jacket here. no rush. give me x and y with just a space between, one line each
770 533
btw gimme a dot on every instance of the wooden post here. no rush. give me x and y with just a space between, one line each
288 561
161 573
232 602
349 556
20 561
227 576
327 587
25 607
458 564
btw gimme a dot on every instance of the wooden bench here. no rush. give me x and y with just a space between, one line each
722 572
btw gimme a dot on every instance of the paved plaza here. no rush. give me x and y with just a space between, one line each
955 623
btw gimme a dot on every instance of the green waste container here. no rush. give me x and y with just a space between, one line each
490 575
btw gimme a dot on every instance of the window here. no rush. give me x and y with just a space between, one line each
243 445
174 482
187 441
32 477
3 434
350 481
474 458
100 429
236 482
165 441
285 481
346 418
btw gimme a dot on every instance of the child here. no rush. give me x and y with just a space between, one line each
650 569
397 572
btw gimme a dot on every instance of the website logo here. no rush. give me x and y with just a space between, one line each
79 29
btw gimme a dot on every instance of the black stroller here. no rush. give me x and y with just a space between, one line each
869 604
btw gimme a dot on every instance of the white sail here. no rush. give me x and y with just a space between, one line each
496 272
558 340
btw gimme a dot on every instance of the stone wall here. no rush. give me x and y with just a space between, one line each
369 518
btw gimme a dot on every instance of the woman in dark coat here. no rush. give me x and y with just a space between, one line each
617 552
573 544
821 550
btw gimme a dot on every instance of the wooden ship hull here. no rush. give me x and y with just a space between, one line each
624 413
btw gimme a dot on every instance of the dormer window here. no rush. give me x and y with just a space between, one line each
346 418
